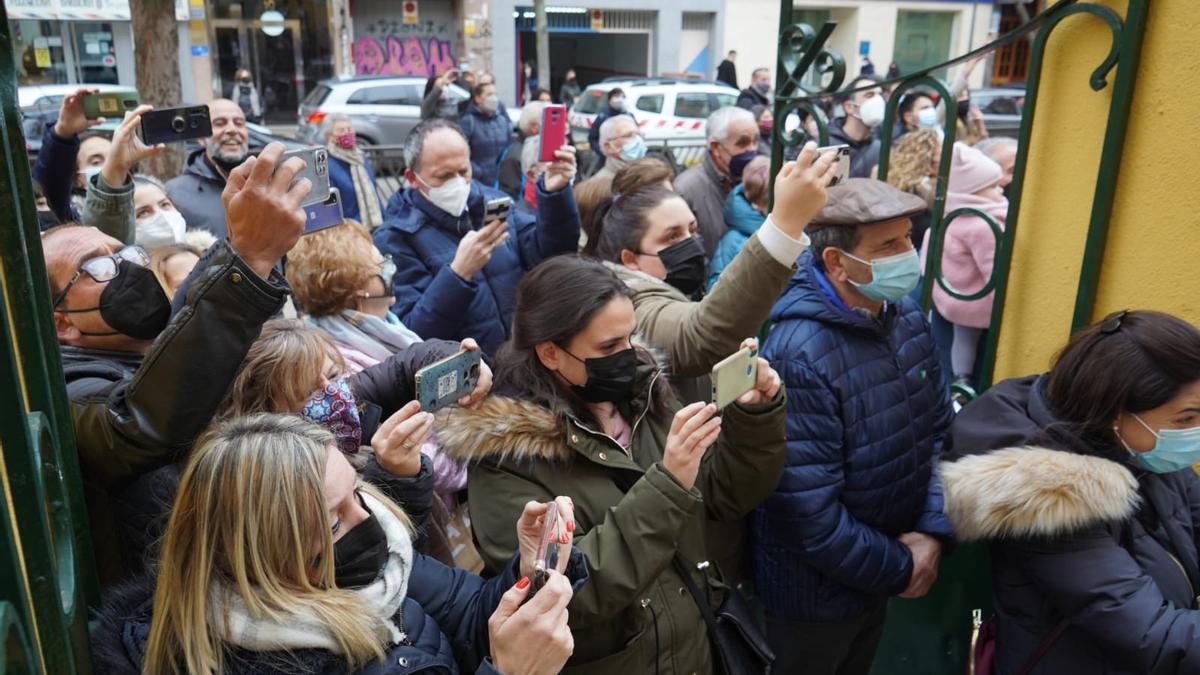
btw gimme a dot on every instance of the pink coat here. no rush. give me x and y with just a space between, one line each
967 258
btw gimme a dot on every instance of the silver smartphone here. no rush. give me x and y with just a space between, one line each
842 161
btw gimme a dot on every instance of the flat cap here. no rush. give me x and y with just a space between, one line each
864 201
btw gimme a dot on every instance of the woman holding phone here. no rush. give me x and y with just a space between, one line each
584 411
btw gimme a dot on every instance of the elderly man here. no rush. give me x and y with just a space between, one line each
457 273
858 516
141 390
864 112
197 191
732 143
621 142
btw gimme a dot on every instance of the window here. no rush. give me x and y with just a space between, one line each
318 95
922 39
652 103
591 102
1002 105
392 94
726 100
692 105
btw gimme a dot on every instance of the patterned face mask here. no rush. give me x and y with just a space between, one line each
333 407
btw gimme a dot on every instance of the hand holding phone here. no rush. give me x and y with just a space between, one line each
109 104
497 209
442 383
175 125
735 375
316 170
553 134
554 546
324 214
841 160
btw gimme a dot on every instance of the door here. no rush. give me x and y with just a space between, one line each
922 39
274 61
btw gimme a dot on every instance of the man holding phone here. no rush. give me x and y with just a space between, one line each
197 191
70 156
456 271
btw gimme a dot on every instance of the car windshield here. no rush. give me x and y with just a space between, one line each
592 101
317 96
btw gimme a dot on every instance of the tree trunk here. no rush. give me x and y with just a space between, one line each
543 45
156 58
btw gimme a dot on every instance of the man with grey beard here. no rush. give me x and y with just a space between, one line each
197 191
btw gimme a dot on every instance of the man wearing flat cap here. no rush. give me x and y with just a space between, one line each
857 517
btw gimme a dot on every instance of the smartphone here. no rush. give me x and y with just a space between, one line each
842 161
324 215
550 555
554 132
497 209
316 170
175 125
111 104
734 376
442 383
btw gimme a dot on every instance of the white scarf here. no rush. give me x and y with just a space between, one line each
304 631
369 213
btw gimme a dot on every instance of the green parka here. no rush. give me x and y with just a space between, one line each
634 610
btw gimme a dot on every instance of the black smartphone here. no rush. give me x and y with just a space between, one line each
175 125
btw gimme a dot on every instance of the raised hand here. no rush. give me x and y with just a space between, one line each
694 429
264 214
768 383
562 169
483 386
476 247
397 442
800 190
531 525
71 118
127 148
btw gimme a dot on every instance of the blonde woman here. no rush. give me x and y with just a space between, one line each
914 168
279 559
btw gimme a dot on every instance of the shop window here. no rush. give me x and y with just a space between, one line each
95 53
38 52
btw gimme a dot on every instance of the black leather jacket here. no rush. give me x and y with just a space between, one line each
134 414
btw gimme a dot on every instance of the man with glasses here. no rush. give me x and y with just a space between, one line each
197 191
143 384
622 143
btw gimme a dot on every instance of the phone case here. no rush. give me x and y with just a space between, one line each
175 125
734 376
554 132
842 161
109 104
316 170
324 215
497 209
551 554
442 383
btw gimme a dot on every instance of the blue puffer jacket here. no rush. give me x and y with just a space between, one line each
488 136
341 178
868 410
434 301
743 220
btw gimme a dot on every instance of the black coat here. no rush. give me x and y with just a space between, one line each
750 97
1077 534
727 73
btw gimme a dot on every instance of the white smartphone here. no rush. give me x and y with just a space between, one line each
842 161
734 376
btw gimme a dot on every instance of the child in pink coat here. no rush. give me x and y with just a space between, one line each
969 252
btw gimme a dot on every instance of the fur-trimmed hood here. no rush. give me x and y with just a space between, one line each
1016 493
503 427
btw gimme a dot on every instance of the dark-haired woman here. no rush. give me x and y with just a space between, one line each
1081 480
584 412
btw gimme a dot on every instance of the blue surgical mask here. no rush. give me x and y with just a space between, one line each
892 277
634 149
927 118
1174 450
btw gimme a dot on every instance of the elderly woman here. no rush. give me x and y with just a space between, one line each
342 283
529 126
351 173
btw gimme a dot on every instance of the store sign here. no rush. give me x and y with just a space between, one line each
59 10
597 19
410 13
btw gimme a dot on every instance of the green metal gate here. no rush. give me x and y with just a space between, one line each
931 635
46 571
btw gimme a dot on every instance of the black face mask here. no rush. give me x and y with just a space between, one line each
609 378
964 107
685 265
46 220
133 303
360 555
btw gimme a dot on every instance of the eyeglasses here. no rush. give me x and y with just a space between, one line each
104 269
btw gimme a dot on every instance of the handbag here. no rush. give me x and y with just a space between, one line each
982 660
738 644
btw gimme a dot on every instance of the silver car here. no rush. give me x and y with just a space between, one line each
383 109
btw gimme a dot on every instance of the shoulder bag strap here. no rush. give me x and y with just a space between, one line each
1043 648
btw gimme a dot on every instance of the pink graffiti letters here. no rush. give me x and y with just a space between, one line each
403 56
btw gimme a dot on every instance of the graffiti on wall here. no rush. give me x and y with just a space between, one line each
394 48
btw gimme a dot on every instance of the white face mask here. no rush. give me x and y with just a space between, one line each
871 111
161 229
450 196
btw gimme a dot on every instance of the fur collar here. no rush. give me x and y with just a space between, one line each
1017 493
502 427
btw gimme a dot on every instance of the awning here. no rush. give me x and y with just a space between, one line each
68 10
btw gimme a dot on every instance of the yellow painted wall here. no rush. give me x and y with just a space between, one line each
1153 255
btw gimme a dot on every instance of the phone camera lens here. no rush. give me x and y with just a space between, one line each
178 124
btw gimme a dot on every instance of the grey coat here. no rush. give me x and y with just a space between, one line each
110 209
704 188
197 194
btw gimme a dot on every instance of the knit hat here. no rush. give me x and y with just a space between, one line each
972 171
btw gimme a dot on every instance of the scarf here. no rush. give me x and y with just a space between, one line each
369 212
304 630
366 333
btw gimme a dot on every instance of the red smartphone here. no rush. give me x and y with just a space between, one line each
554 131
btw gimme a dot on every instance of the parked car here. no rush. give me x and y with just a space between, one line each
383 109
1001 108
670 112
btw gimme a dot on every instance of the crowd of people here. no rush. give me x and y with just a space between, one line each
267 495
